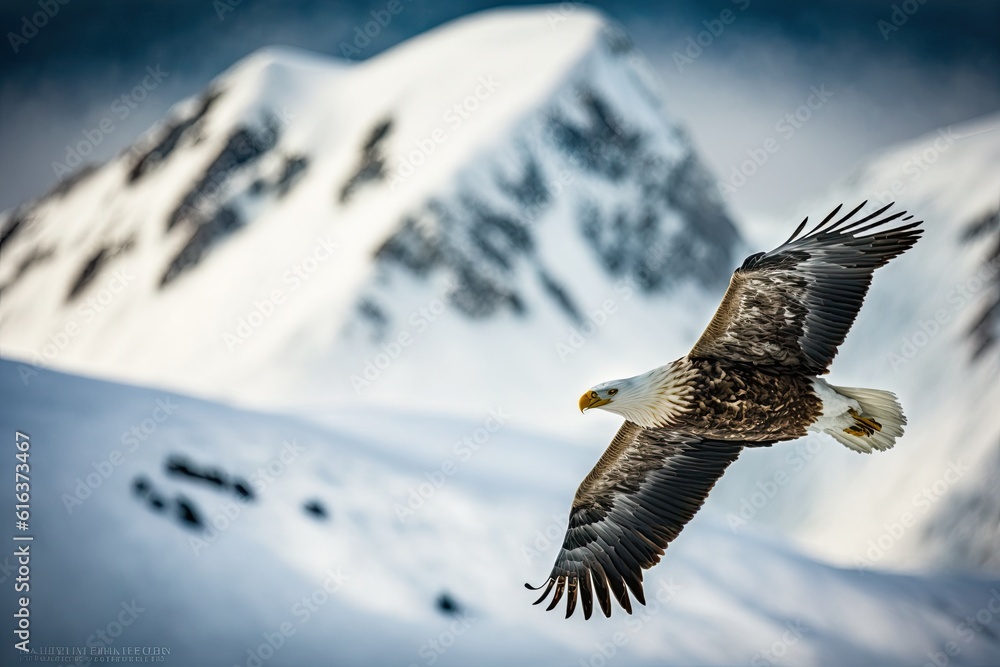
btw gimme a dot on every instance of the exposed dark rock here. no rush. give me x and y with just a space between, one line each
141 486
474 245
177 465
292 170
225 221
203 208
188 513
643 243
640 245
181 466
316 509
669 226
36 256
616 40
498 237
561 296
242 489
95 264
984 226
985 330
171 137
87 273
530 190
689 191
602 144
477 296
375 316
447 605
372 164
631 245
413 247
15 223
295 166
608 235
243 147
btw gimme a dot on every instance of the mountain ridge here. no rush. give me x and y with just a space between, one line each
547 174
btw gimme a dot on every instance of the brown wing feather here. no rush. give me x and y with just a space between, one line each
648 484
793 306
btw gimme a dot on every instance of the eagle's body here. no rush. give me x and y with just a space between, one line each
730 399
751 380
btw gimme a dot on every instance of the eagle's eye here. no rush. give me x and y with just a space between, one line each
612 392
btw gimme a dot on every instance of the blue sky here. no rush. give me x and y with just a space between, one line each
890 71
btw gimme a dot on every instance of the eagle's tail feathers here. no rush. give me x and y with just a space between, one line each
875 426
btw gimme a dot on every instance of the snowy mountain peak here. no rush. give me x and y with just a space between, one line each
302 210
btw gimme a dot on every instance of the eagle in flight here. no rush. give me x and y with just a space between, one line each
751 380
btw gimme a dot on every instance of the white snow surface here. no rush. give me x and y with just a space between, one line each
486 522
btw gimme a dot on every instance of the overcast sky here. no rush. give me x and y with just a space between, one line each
878 75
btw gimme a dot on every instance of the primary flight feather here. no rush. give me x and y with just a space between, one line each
751 380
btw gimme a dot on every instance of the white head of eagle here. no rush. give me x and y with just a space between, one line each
650 400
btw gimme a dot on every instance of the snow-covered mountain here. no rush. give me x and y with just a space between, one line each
496 193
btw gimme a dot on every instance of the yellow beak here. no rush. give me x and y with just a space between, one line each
592 400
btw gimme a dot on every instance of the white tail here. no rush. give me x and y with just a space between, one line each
873 425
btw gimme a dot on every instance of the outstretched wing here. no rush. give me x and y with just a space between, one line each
792 307
648 484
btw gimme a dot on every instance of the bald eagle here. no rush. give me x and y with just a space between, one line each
751 380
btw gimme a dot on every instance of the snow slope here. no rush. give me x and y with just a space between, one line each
363 584
314 231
